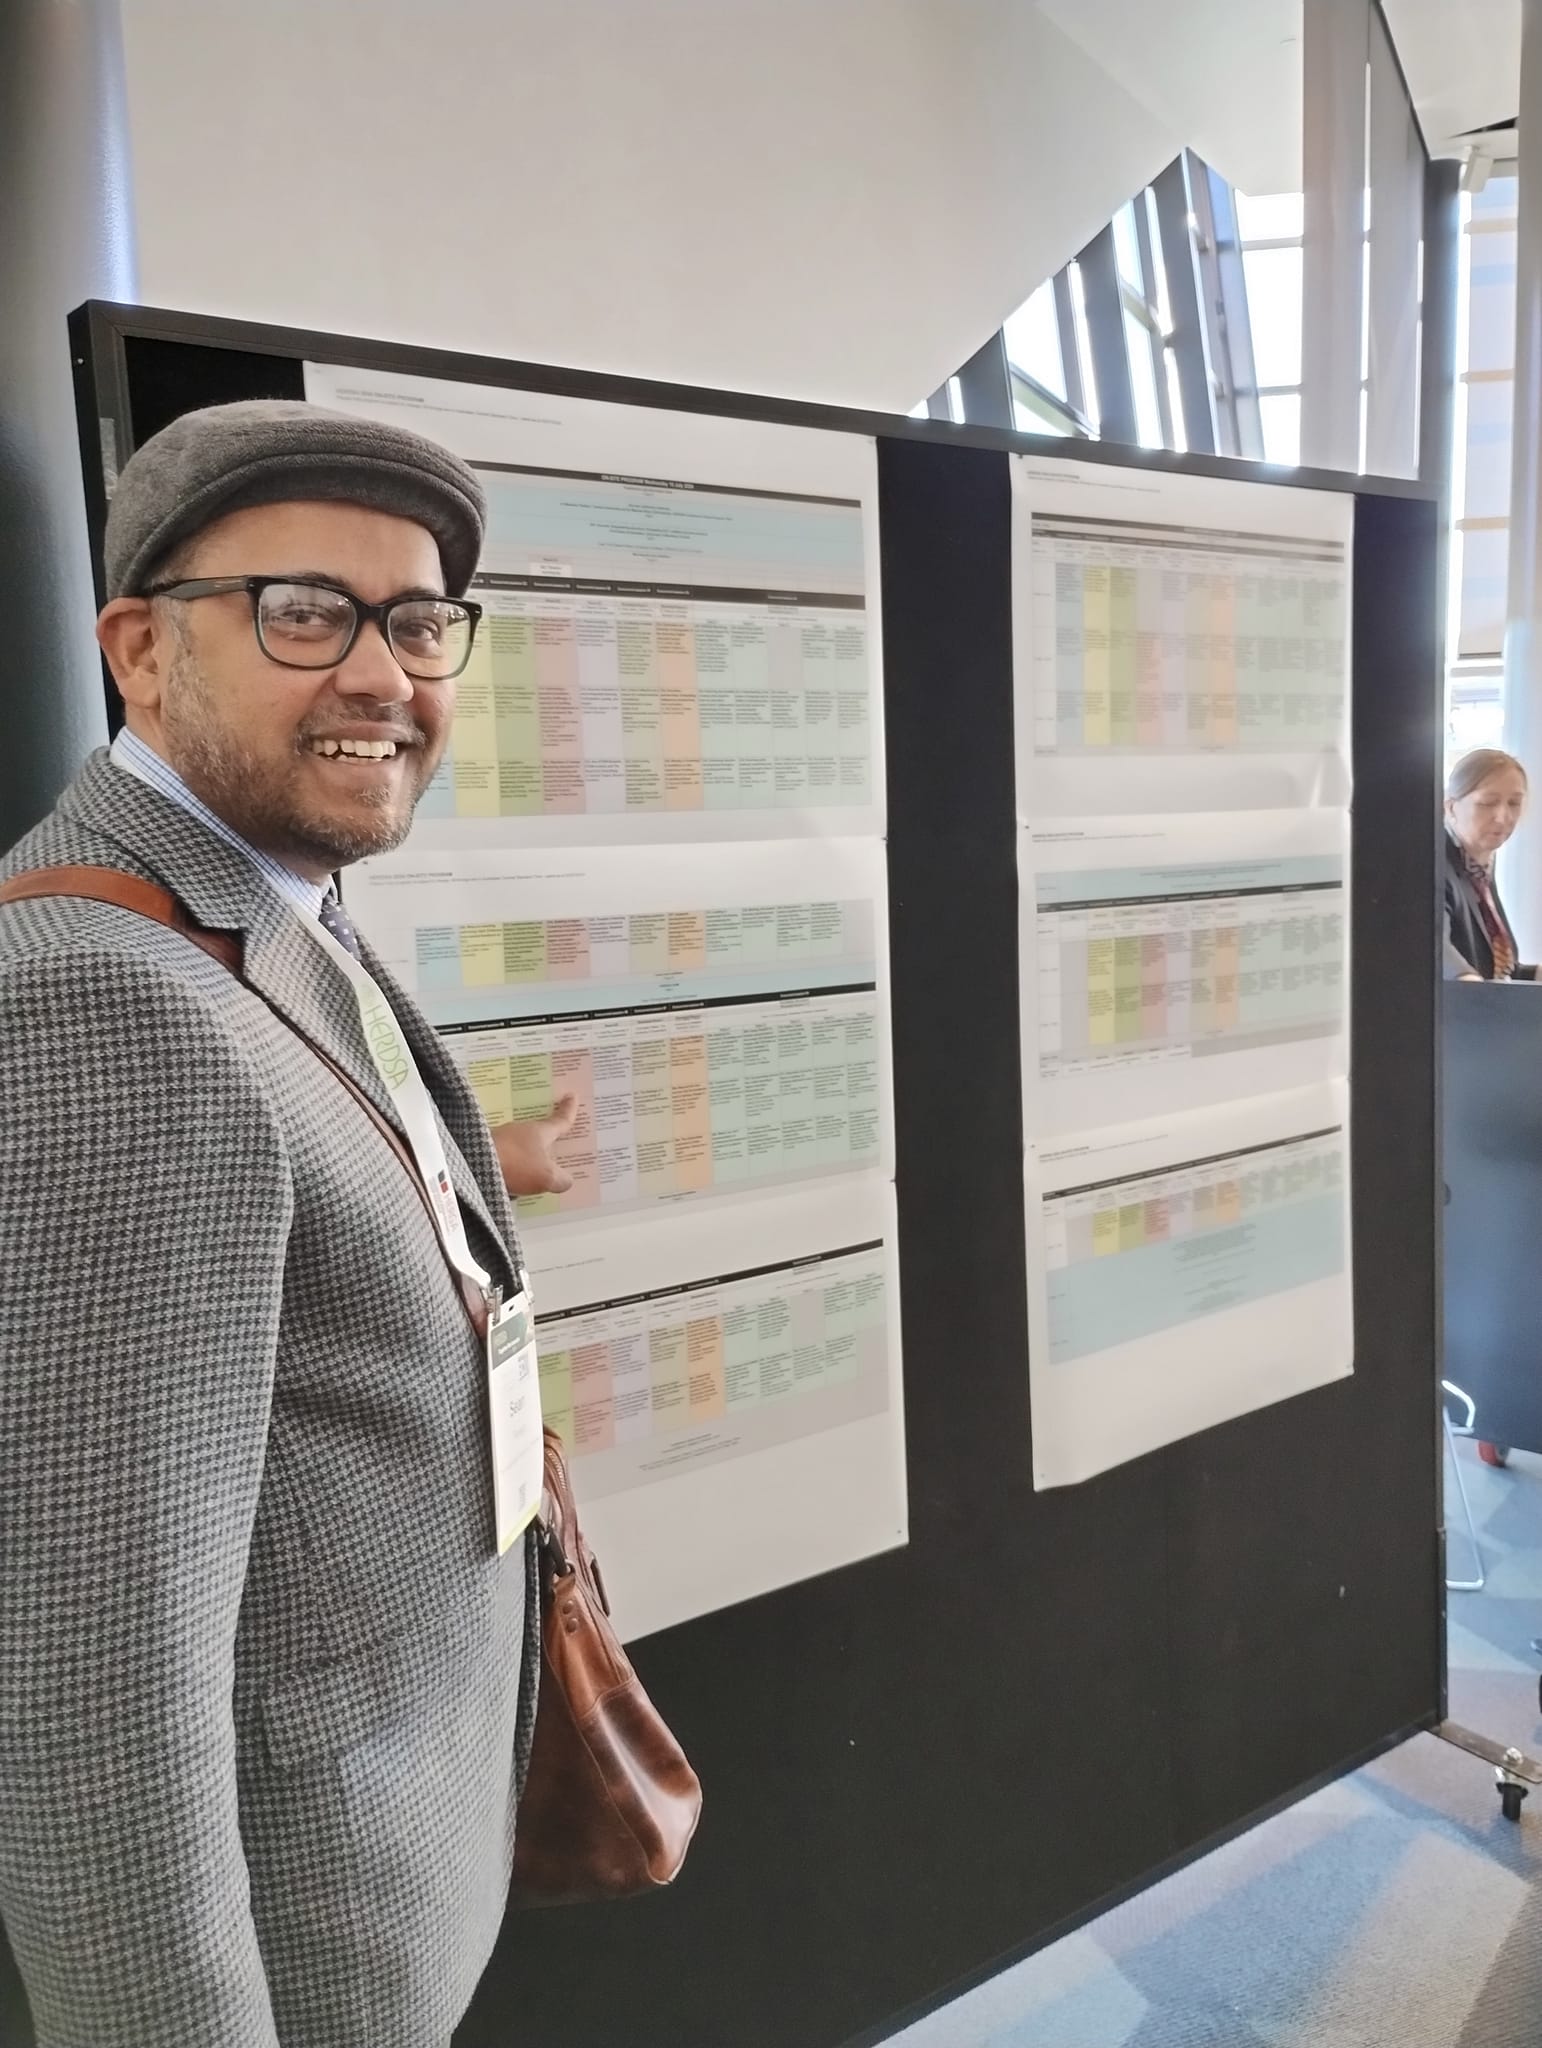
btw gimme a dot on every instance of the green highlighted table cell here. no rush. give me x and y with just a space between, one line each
692 1101
780 1344
1152 639
629 701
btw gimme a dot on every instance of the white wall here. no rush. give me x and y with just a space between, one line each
1226 73
832 199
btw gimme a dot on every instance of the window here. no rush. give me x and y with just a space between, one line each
1142 345
1225 330
1271 226
1274 313
1033 340
1217 319
1044 372
1117 294
1145 314
1280 413
1474 710
1175 400
1083 345
1274 217
1127 249
1164 311
1033 414
1480 483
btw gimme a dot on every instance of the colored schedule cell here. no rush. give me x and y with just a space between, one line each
742 1360
637 700
468 974
1152 639
1184 962
1128 1258
691 1101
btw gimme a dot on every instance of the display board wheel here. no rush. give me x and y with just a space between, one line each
1511 1774
1514 1771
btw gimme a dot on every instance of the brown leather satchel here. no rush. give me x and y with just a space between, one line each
611 1803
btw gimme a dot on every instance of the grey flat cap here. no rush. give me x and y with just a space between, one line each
268 451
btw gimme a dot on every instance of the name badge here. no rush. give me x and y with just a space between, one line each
514 1407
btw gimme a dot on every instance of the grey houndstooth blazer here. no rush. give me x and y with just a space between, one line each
266 1693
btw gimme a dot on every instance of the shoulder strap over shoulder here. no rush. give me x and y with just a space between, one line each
148 899
128 892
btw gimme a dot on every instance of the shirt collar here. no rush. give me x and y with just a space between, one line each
134 757
1480 870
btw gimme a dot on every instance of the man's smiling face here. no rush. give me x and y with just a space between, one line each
317 767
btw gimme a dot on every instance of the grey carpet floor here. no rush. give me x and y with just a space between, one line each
1395 1909
1493 1669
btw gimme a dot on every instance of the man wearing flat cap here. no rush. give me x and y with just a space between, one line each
268 1652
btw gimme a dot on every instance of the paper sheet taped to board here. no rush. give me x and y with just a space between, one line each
681 632
724 1024
1182 719
649 876
1184 1270
1179 962
730 1396
1181 643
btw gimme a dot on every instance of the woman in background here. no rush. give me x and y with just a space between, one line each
1485 797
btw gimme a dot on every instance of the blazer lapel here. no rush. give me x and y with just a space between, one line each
286 964
292 969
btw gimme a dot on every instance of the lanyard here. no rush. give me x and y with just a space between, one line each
398 1070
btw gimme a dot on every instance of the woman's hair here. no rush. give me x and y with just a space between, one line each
1476 768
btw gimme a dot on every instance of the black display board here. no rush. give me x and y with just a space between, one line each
922 1767
1493 1173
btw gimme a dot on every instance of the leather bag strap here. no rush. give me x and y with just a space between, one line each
128 892
148 899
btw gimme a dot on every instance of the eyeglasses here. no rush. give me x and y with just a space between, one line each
314 625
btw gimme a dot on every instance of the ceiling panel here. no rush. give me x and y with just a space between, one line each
1462 59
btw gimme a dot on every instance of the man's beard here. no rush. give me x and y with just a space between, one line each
261 801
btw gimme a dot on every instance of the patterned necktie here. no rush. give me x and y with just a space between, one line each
1500 942
335 920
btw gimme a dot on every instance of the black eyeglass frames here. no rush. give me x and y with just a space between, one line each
314 625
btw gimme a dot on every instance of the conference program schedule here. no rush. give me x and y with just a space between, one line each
649 875
1183 774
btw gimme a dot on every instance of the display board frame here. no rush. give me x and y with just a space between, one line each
920 1768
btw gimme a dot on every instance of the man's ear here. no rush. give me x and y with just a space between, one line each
137 648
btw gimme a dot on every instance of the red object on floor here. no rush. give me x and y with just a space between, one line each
1493 1454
